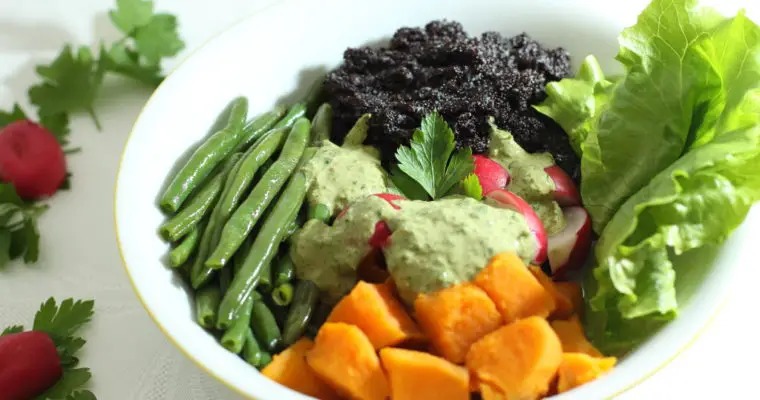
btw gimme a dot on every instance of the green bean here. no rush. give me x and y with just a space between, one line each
206 157
263 170
265 279
237 183
265 245
252 353
184 270
266 358
234 337
318 318
239 257
264 326
282 295
321 124
245 217
284 271
295 112
183 251
280 312
292 229
314 96
196 208
321 212
301 311
225 278
260 125
206 305
199 273
358 132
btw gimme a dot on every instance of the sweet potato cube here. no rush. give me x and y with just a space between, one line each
376 311
513 288
563 306
517 361
454 318
345 359
289 368
577 369
415 375
572 291
572 337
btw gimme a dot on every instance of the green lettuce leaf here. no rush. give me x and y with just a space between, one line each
670 155
646 124
575 103
698 201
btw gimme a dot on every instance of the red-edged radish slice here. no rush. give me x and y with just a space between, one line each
569 248
380 237
565 191
515 202
491 174
389 197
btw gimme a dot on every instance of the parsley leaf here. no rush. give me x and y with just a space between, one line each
64 320
68 347
407 186
471 187
429 161
58 125
70 83
159 38
131 14
127 62
155 37
12 329
16 114
82 395
71 380
18 227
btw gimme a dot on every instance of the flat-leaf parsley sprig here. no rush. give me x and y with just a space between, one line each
61 324
430 168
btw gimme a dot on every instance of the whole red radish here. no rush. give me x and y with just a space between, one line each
512 201
565 192
31 159
29 365
569 248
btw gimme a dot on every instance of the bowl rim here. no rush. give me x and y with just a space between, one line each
205 43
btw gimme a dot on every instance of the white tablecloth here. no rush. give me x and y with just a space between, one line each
128 355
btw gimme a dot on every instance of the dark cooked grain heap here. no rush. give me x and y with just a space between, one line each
467 79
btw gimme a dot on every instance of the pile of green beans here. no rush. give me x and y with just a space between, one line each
231 209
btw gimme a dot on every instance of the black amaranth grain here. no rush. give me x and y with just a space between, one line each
467 79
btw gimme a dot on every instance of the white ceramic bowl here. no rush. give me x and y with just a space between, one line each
266 57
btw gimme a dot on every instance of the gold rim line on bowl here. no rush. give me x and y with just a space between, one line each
224 382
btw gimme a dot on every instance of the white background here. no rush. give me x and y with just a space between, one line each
128 355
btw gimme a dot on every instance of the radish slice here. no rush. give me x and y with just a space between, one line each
389 197
510 200
565 191
491 175
569 248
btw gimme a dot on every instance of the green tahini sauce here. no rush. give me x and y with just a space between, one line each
528 178
341 175
434 244
329 255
